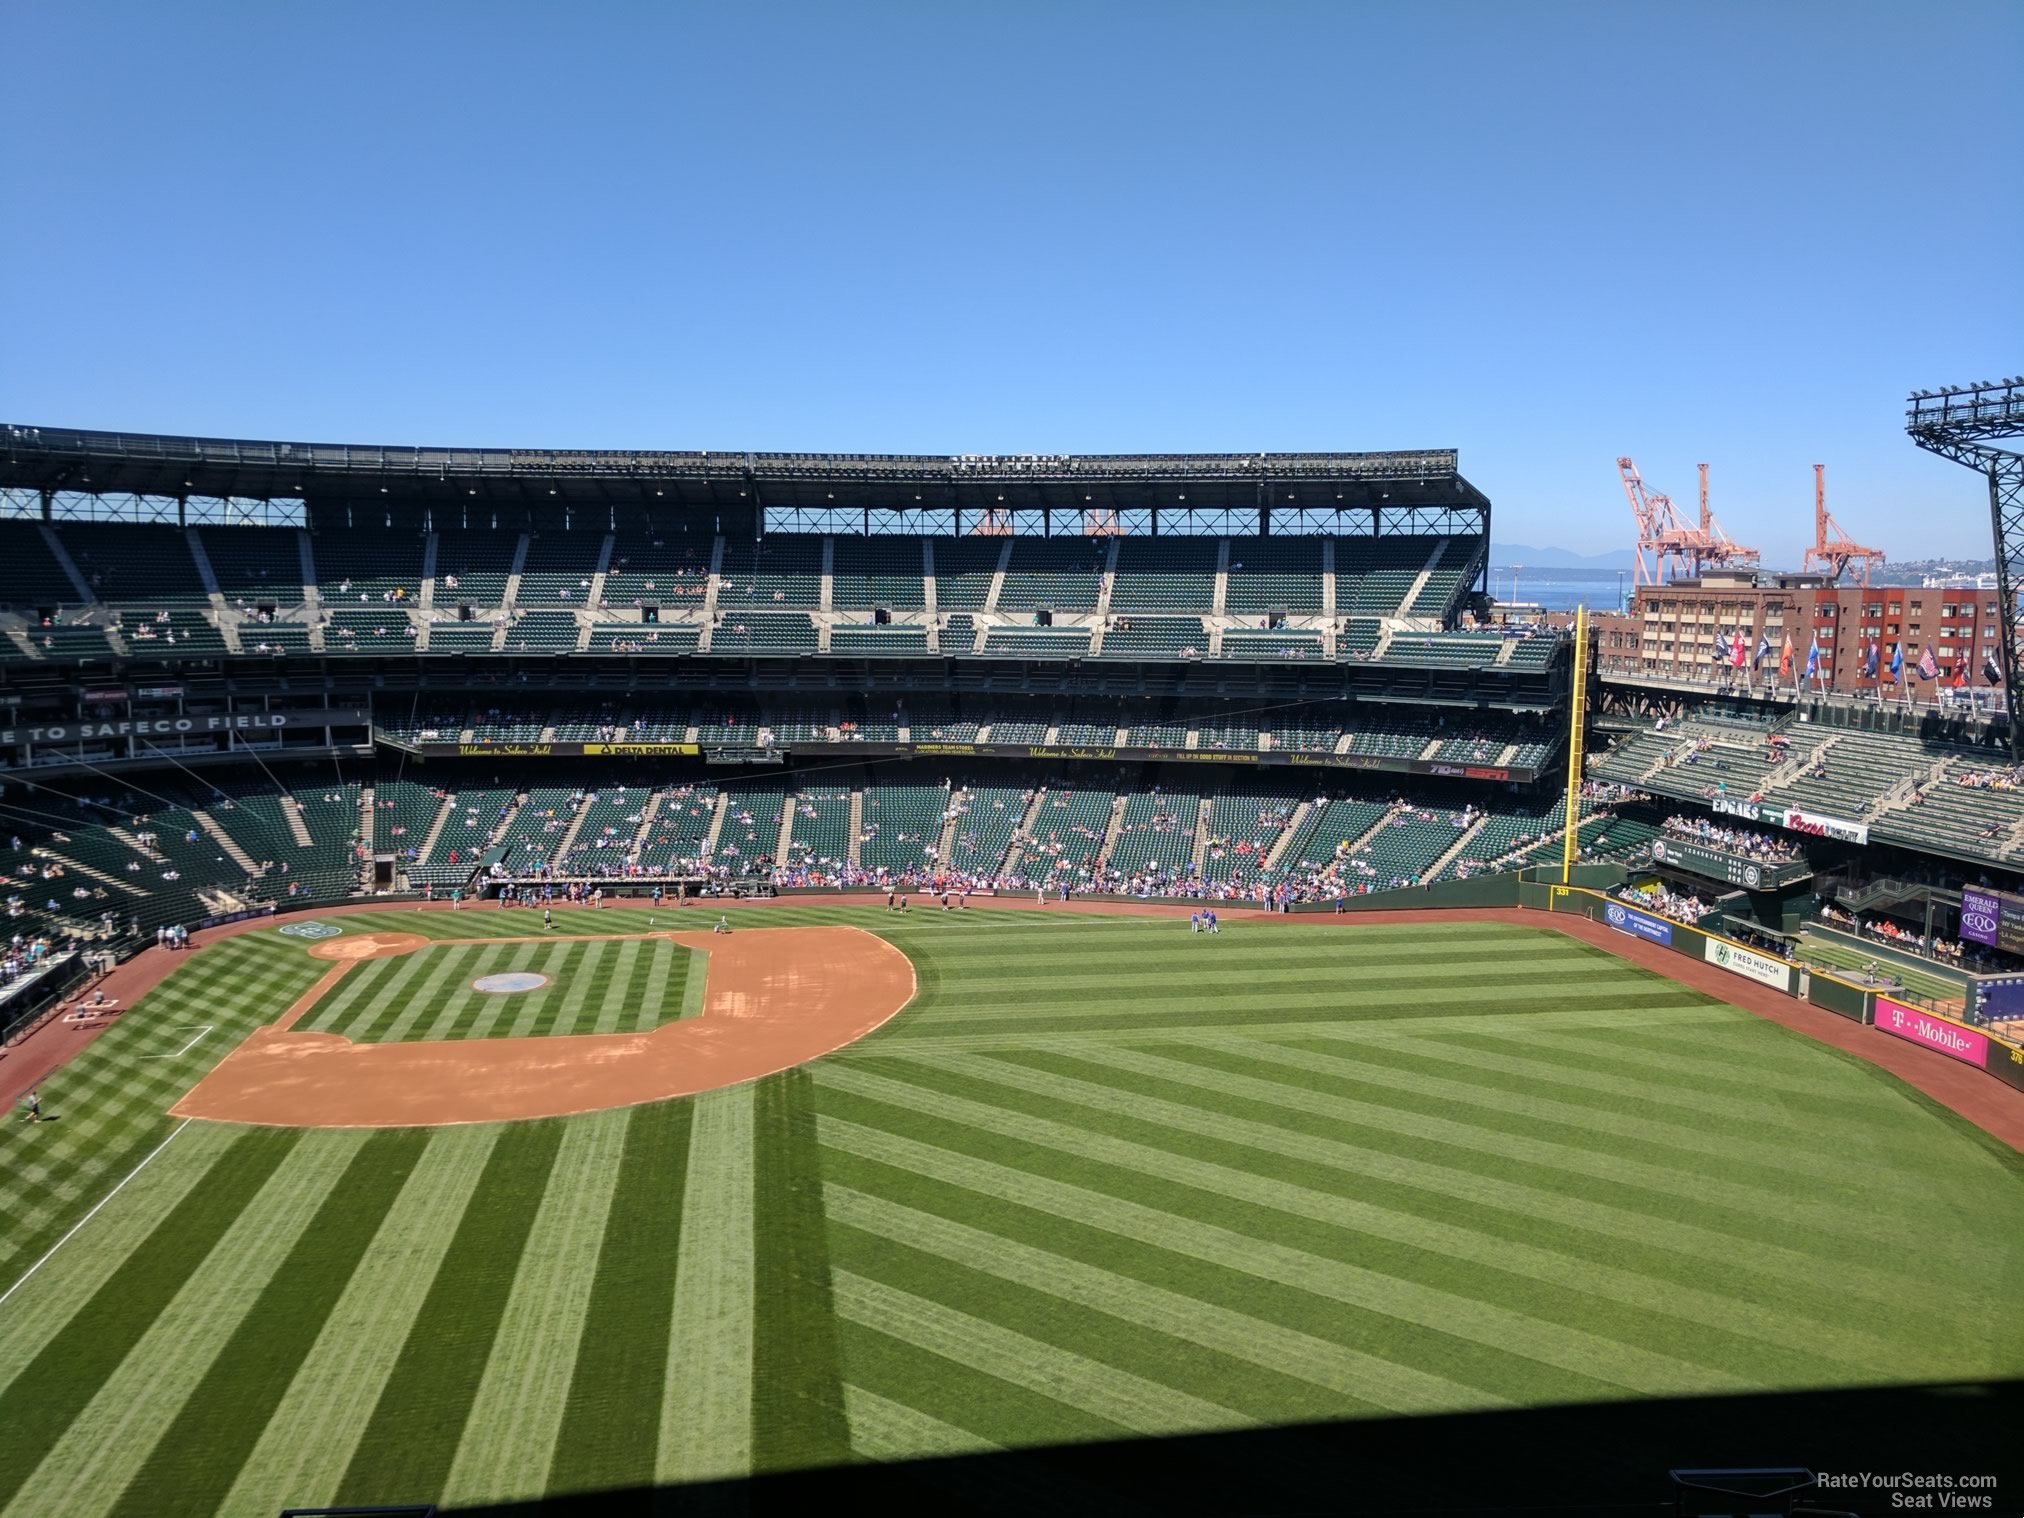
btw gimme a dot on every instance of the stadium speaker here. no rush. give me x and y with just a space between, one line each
1043 619
464 611
880 617
650 614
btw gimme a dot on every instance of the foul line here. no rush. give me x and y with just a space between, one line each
201 1032
4 1295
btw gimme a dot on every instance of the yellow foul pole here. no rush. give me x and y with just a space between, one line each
1577 702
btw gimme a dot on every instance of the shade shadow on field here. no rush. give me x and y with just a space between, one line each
1600 1461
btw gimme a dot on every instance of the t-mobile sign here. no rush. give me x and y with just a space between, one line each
1949 1038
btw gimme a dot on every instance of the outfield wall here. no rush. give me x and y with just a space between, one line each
1932 1030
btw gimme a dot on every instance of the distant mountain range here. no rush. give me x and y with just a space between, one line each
1503 555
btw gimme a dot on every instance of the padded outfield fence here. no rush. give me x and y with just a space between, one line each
1984 1050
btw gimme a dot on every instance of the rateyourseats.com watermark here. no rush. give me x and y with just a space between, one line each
1915 1491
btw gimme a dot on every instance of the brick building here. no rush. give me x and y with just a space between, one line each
1672 631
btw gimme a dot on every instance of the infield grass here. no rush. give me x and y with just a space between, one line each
1101 1178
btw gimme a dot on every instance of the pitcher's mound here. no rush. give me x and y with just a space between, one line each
511 980
368 946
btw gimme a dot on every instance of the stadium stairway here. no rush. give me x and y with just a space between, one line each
648 813
1016 855
92 872
368 834
1370 834
1111 831
945 841
1106 591
62 556
783 845
1462 841
1200 853
214 595
152 855
1287 834
1794 766
509 597
568 839
1427 573
441 820
855 853
594 597
225 841
998 577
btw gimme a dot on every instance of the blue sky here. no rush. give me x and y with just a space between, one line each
1543 234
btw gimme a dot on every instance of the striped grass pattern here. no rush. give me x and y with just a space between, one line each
614 986
1101 1179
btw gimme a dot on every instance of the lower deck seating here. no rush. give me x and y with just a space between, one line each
1242 831
679 829
1067 834
1156 836
821 836
902 823
987 817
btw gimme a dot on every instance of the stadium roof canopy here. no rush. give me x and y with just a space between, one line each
51 460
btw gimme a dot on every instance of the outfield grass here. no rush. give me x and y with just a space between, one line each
1101 1178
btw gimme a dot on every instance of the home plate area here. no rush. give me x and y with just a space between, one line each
403 1030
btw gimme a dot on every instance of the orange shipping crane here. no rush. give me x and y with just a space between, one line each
1674 546
1721 549
1832 548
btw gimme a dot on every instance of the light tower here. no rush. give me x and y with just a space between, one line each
1959 423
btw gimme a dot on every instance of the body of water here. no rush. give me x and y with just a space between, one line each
1562 589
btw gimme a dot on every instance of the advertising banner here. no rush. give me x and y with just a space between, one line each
1265 758
1981 911
1638 924
1792 819
1915 1026
1737 961
180 727
1825 827
1992 917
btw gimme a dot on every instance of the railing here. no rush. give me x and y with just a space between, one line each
1415 464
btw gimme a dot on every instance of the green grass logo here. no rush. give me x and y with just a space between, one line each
312 930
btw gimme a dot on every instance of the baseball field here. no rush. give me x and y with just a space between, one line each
1097 1177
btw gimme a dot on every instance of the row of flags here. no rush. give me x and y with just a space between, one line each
1736 654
